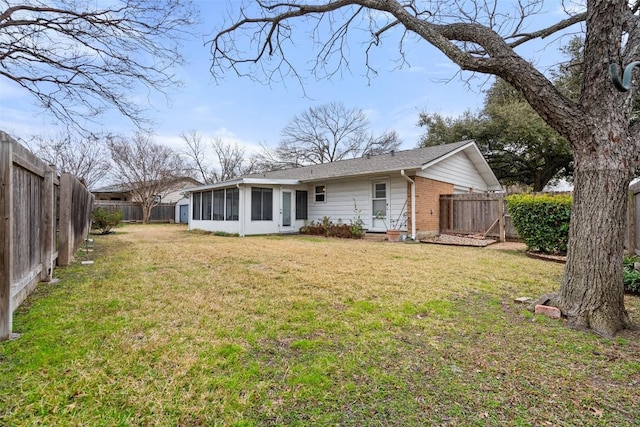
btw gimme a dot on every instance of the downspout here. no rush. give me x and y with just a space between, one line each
240 209
413 203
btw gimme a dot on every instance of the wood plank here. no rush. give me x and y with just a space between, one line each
29 164
636 220
6 234
65 248
47 238
501 217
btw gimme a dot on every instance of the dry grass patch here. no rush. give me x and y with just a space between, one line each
176 328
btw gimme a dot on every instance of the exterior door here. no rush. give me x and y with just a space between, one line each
287 209
379 205
184 214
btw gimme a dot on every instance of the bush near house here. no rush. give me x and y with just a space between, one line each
105 219
328 229
542 220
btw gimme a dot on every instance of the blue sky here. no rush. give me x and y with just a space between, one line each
240 110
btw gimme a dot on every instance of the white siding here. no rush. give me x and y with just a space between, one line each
342 194
457 170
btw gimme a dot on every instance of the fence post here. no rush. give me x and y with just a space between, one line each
47 243
502 222
66 238
631 219
6 235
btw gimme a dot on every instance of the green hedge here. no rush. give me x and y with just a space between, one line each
542 220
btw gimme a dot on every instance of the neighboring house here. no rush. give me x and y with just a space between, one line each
120 192
395 190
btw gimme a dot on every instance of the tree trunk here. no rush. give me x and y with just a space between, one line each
146 212
592 292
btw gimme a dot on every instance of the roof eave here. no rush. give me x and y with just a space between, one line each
241 181
351 175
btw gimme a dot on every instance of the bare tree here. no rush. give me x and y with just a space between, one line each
197 157
231 158
482 37
215 160
148 170
327 133
78 58
86 158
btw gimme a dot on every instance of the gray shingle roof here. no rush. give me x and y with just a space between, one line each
125 188
407 159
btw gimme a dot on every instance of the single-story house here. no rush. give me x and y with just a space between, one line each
394 190
122 192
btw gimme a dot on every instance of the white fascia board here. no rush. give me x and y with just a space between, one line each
235 182
267 181
230 183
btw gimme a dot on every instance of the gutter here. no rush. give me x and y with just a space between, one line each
413 203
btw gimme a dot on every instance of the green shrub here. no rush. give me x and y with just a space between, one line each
542 220
631 276
105 219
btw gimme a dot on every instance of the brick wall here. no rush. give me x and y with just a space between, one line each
428 193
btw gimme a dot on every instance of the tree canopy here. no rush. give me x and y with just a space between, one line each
324 134
215 160
85 158
145 168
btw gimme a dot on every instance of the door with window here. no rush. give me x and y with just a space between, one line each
379 205
286 220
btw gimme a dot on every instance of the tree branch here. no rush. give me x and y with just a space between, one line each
525 37
79 62
441 27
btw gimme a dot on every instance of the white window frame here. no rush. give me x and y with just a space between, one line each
322 193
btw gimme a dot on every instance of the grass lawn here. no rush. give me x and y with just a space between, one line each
171 328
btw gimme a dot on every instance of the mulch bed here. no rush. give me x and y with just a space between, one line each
460 240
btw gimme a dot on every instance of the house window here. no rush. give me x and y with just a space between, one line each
301 205
233 204
196 198
321 193
206 206
261 204
218 205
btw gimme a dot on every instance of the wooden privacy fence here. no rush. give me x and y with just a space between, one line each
132 212
633 234
44 219
476 213
487 214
